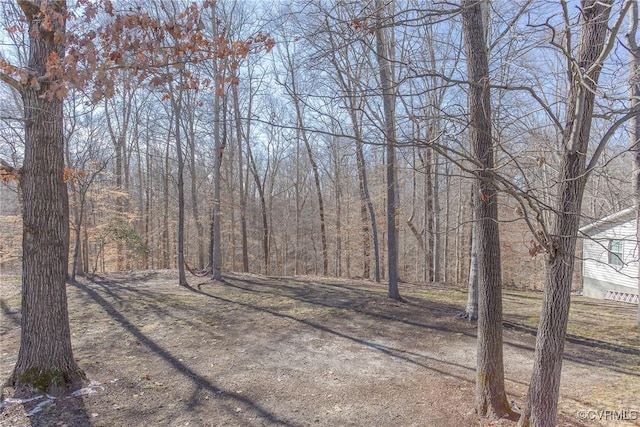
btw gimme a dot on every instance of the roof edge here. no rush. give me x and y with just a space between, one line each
609 219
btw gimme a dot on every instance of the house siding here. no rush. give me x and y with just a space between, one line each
598 275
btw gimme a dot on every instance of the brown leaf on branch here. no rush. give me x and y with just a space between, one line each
6 176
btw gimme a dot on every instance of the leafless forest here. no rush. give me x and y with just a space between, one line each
301 129
398 141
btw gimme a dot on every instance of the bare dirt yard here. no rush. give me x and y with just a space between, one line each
268 351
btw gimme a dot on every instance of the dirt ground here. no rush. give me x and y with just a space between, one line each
258 351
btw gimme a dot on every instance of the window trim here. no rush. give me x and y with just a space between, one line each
615 252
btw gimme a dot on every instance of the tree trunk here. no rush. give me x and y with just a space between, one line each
166 260
299 204
177 107
421 246
471 311
77 223
544 389
429 242
338 194
447 222
85 250
118 134
367 214
634 79
491 398
241 183
383 50
366 208
216 235
45 359
263 208
141 192
147 208
293 90
190 134
437 241
458 239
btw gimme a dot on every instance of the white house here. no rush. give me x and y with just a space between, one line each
610 258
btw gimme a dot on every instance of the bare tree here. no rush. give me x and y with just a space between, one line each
384 57
118 122
218 147
490 393
240 135
634 80
560 240
347 74
176 108
292 90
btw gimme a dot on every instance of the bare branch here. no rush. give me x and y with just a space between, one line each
10 81
538 99
567 33
607 136
510 25
612 39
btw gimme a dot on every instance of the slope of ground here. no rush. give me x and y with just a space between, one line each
258 351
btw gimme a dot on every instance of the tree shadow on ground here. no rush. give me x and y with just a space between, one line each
400 354
199 381
574 339
581 350
363 301
13 316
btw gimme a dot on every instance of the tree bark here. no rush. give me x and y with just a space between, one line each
471 311
544 388
437 241
147 206
429 242
216 235
176 105
447 212
263 209
45 359
190 136
338 195
367 213
166 260
491 398
316 178
383 50
241 183
634 80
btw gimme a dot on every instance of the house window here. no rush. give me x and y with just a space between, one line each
615 252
